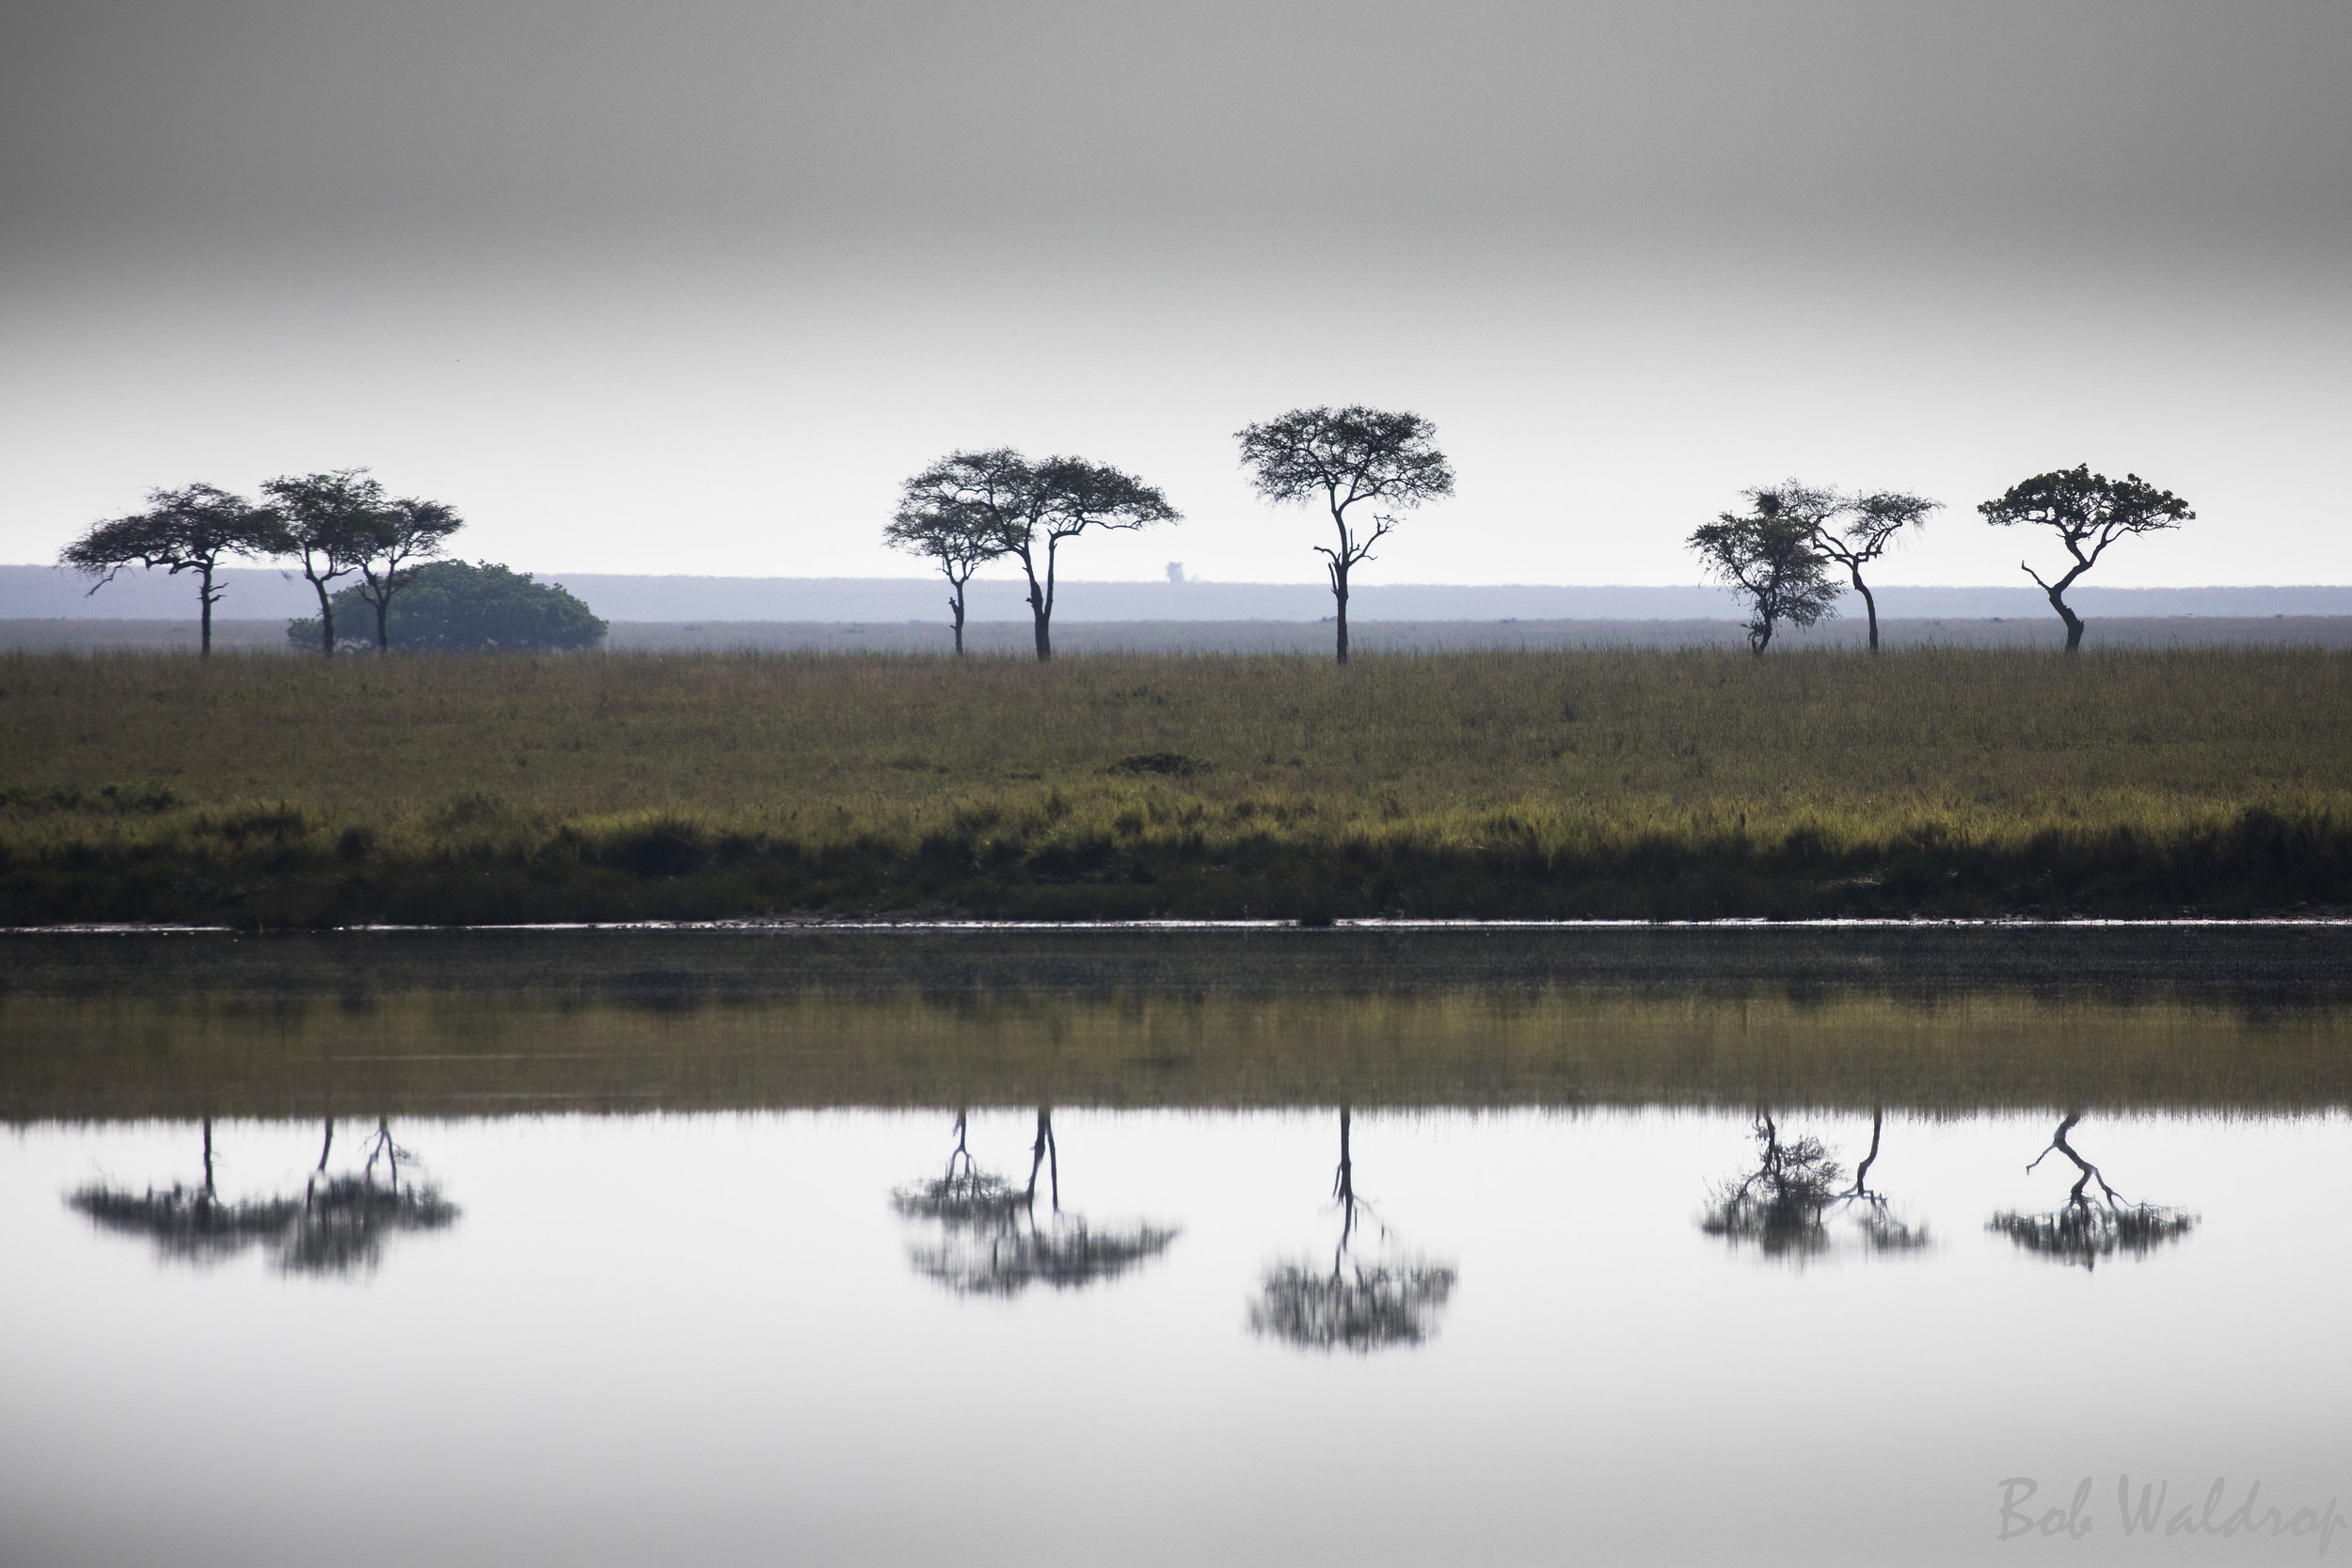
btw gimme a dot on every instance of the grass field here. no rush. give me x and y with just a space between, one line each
1016 639
1634 782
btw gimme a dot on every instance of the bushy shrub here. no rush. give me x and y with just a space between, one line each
449 607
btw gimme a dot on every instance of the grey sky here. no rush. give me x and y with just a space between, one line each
693 286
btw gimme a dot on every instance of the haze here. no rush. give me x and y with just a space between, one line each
691 287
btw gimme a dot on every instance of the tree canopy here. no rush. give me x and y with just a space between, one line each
1348 457
1767 558
190 529
409 531
2088 512
1852 531
958 534
1025 510
335 522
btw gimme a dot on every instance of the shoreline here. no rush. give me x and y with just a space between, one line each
789 923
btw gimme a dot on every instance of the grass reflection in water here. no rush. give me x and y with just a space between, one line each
1943 1022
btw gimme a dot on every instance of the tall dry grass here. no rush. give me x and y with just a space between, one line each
1632 782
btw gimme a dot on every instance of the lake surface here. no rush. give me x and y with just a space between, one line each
1511 1249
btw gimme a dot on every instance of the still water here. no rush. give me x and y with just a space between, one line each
1626 1334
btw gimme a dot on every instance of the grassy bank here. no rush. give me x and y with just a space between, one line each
1536 784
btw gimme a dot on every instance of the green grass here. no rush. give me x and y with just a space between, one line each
1642 783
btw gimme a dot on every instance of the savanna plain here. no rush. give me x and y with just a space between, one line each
1625 783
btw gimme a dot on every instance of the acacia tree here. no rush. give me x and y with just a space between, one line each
1852 531
409 533
1769 558
335 522
1068 496
1352 456
1025 510
959 534
2087 512
990 492
194 530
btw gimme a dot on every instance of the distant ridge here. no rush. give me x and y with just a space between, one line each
29 593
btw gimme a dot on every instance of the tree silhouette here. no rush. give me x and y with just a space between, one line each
1852 531
194 530
1769 558
988 1238
1069 496
408 533
337 1227
958 535
1356 1305
2084 1233
2088 512
1348 457
1025 510
335 522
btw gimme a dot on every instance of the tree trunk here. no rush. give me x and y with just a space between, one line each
1042 602
204 634
956 604
1343 1189
1338 597
2073 622
1343 1182
383 607
1862 1171
327 620
2056 592
1870 606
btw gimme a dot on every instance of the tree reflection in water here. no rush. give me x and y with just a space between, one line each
1358 1305
989 1239
1778 1205
2085 1231
345 1219
1882 1230
337 1227
1781 1206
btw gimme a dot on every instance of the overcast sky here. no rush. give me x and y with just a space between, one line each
694 286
